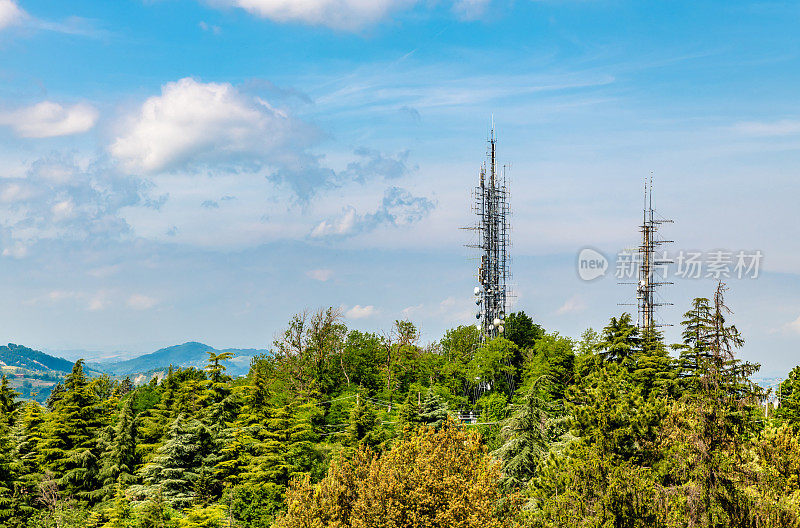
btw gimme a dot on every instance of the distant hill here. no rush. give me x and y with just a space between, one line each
23 357
191 354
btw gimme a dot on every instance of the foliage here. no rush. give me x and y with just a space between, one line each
432 479
339 427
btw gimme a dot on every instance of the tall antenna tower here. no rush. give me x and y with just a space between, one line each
649 279
492 209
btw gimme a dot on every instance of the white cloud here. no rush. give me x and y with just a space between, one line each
337 14
141 302
793 327
210 28
470 9
193 121
49 119
321 275
10 13
411 310
574 304
784 127
342 225
360 312
99 301
60 198
398 208
17 250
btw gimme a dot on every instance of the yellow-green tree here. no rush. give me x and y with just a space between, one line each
429 479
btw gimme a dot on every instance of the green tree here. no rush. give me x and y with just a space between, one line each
9 405
71 448
491 368
789 394
620 339
433 411
175 468
120 459
525 439
362 428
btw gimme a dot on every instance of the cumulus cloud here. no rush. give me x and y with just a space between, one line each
398 208
337 14
321 275
360 312
59 199
373 164
49 119
195 122
141 302
574 304
10 13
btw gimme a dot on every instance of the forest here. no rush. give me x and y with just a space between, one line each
344 428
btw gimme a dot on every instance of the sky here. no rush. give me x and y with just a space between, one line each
175 170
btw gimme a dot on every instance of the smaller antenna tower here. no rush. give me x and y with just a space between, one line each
491 206
649 264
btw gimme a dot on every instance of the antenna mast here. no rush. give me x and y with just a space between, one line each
649 280
492 208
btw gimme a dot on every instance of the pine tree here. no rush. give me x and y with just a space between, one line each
120 514
408 414
696 348
620 339
362 426
525 439
9 405
175 468
120 457
29 438
654 369
433 411
71 448
7 475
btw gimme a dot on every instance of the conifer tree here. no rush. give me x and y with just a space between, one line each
120 457
620 339
408 414
362 426
27 457
71 448
654 369
174 470
433 411
9 405
789 394
696 348
525 439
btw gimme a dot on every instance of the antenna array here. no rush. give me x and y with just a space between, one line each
491 206
649 264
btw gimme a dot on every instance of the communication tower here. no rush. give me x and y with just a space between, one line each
491 206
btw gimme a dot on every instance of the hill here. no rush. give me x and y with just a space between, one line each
191 354
23 357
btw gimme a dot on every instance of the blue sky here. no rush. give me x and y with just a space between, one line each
179 170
